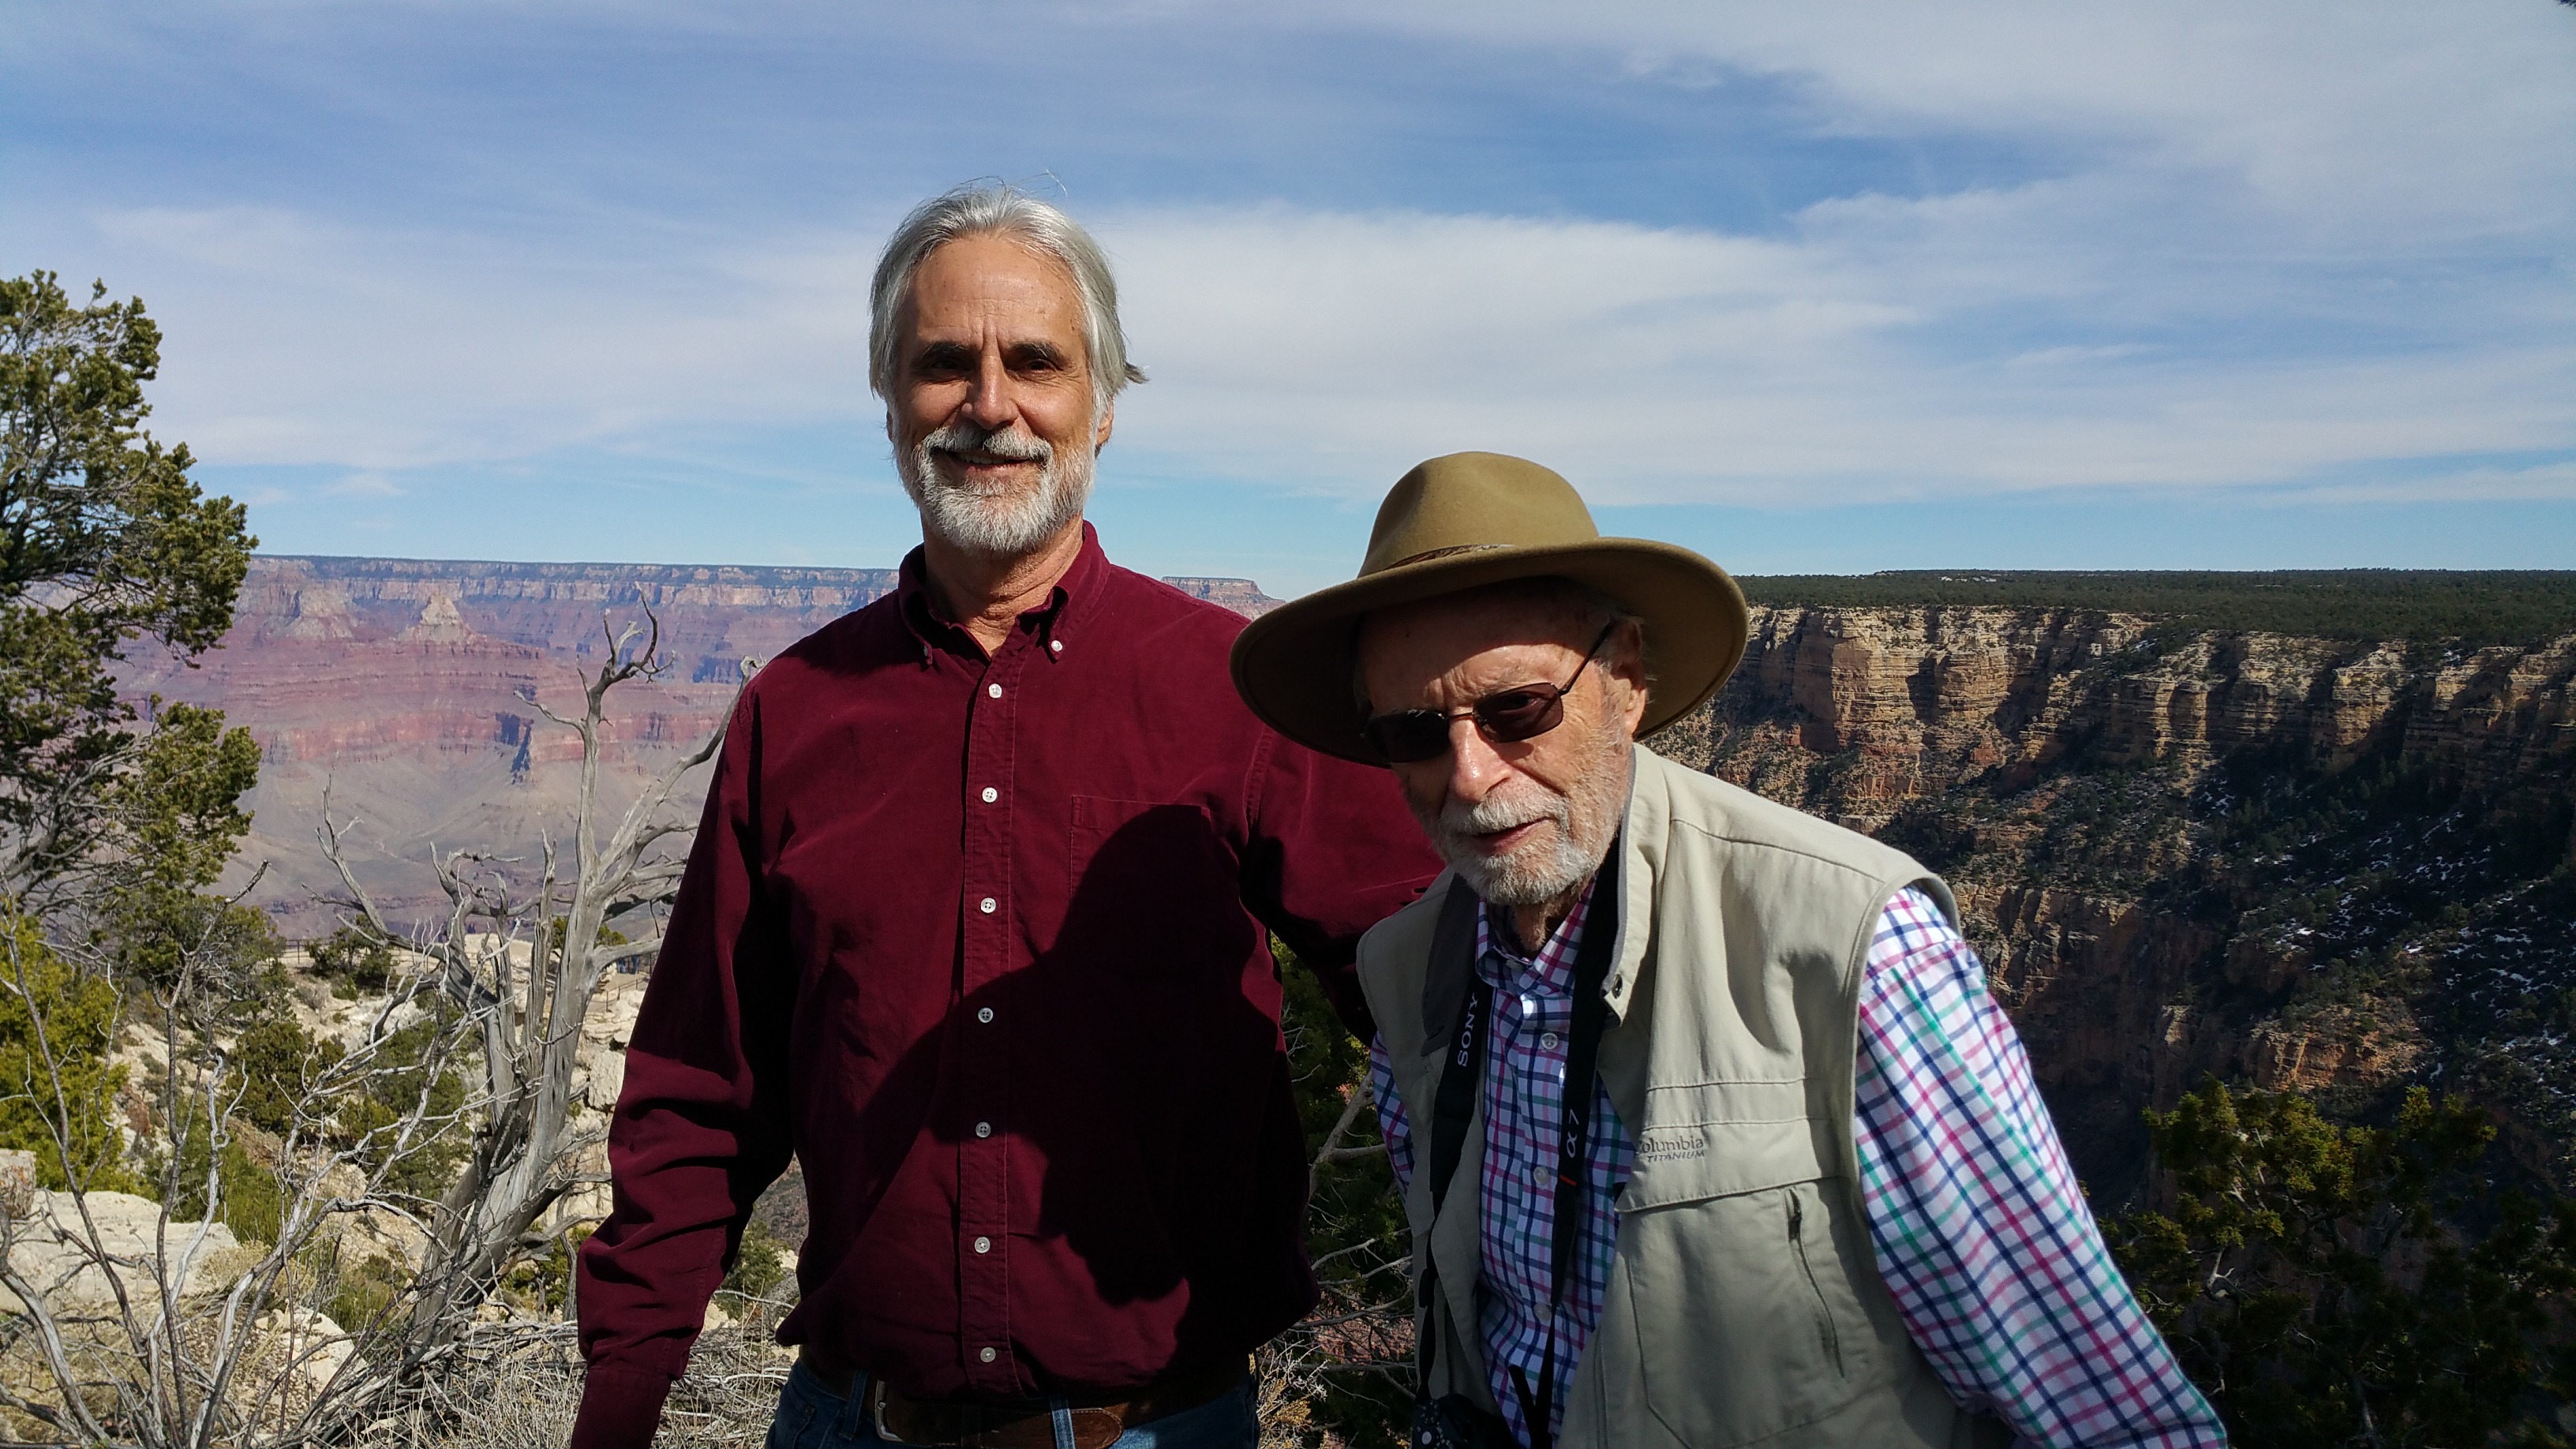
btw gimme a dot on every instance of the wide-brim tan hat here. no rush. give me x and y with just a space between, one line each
1468 520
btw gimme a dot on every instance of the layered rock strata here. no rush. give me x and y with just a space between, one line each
413 696
2337 867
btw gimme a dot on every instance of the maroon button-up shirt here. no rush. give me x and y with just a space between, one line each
980 940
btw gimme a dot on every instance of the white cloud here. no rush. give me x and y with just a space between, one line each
1881 348
2068 356
2299 246
2401 117
1851 361
2543 483
293 339
364 485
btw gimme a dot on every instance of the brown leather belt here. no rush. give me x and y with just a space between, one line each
1019 1423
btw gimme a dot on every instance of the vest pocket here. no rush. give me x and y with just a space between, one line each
1745 1317
1826 1332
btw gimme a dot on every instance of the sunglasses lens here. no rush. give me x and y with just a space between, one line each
1518 714
1408 735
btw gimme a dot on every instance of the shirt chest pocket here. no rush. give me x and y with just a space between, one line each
1152 890
1745 1298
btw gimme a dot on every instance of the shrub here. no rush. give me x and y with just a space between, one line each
248 1199
71 1107
759 1266
352 956
2335 1285
403 1083
1351 1365
363 1294
280 1065
543 1284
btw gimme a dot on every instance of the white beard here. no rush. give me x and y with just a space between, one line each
1001 522
1551 867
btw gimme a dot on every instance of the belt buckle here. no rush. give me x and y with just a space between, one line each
876 1409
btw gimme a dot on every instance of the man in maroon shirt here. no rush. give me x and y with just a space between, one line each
974 927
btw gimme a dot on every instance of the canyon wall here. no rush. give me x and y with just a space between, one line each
2332 865
2335 866
406 693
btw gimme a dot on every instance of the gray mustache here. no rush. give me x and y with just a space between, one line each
1010 442
1502 813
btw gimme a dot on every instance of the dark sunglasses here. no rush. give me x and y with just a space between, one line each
1526 711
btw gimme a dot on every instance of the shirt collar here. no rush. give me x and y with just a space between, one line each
1551 969
1067 604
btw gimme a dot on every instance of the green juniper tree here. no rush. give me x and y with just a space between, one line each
2332 1285
104 543
57 1088
116 819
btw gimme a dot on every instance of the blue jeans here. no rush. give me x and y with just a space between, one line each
811 1416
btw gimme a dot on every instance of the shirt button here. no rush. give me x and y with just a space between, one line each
1547 1041
991 794
984 1014
994 690
988 1355
1056 644
983 1245
989 905
983 1129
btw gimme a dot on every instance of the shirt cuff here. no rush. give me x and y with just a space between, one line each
621 1406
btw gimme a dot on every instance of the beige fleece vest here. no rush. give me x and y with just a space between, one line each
1744 1304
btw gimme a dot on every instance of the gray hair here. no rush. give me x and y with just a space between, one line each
1001 210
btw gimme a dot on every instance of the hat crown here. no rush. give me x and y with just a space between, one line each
1472 502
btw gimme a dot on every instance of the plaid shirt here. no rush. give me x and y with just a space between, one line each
1981 1231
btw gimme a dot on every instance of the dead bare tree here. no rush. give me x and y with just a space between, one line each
153 1328
526 979
1318 1379
135 1322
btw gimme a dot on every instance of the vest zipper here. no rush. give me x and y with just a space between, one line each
1824 1317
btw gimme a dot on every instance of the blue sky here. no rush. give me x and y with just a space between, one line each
1816 287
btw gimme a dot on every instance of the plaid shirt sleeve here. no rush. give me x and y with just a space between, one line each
1982 1233
1391 1118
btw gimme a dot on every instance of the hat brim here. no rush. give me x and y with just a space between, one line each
1293 664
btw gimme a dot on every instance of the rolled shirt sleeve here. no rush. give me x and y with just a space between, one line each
1392 1122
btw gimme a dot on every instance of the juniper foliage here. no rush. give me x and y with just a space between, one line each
2335 1285
105 542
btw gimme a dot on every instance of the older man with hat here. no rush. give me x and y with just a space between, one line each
1802 1189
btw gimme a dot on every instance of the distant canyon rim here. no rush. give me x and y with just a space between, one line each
2337 865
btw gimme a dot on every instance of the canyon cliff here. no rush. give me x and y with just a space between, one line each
2338 865
412 696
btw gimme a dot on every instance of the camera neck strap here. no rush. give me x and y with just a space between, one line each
1454 1113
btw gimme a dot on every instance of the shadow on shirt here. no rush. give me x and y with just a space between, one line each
1146 1164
